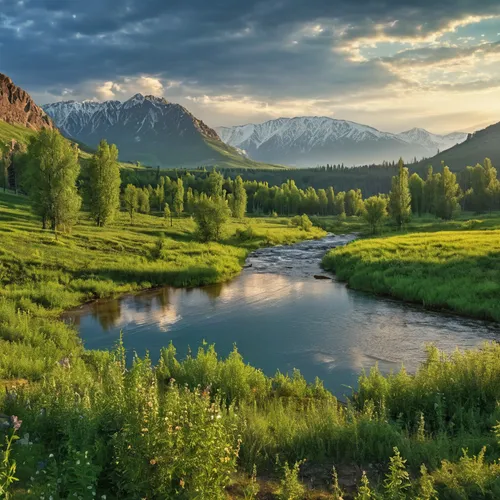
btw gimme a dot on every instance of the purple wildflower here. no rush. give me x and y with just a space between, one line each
15 422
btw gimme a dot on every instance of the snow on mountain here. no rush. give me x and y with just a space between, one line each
432 142
145 128
307 141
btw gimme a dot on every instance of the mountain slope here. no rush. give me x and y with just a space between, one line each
308 141
18 108
479 145
147 129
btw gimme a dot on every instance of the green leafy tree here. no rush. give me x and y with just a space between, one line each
448 195
330 195
53 169
430 191
211 214
400 197
353 202
104 183
240 198
214 184
375 211
323 201
167 214
416 185
179 197
339 206
131 201
143 200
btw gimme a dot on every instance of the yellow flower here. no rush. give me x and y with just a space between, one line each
152 461
182 483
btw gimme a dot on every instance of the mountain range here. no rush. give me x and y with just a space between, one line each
156 132
148 129
309 141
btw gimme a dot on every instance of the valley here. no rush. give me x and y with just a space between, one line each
178 320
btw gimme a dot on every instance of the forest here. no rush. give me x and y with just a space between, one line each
78 423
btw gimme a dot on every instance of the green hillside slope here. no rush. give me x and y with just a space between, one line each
482 144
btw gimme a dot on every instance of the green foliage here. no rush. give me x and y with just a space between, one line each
104 184
131 200
211 215
8 466
375 211
364 491
240 198
302 221
400 197
53 169
291 488
456 270
397 480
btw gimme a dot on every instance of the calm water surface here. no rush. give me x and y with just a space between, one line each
281 317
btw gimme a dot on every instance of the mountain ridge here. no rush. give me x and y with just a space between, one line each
148 129
18 108
311 140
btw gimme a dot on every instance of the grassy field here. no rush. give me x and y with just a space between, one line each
197 428
42 275
454 265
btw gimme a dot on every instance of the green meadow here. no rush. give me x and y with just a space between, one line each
453 266
208 428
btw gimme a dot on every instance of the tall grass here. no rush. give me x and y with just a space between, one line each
454 270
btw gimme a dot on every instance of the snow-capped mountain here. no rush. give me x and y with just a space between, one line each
308 141
432 142
144 128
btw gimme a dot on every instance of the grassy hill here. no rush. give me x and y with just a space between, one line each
482 144
18 132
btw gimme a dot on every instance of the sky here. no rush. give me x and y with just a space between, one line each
391 64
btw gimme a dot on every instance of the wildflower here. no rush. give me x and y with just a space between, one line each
89 487
15 422
152 461
78 462
182 483
145 429
103 497
51 455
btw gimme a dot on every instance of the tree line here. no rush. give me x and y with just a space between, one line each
49 169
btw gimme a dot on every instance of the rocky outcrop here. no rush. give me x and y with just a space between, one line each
17 107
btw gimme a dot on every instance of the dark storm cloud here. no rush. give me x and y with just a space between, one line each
222 46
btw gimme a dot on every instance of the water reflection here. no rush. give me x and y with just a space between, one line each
282 318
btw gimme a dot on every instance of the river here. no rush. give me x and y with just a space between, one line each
281 317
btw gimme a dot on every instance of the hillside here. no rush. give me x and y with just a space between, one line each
149 130
309 141
18 108
482 144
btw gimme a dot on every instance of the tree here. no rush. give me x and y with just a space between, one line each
179 197
214 184
53 169
330 194
240 198
400 197
416 185
210 215
484 186
448 192
353 202
168 214
430 190
375 211
339 205
131 201
104 183
143 200
323 202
